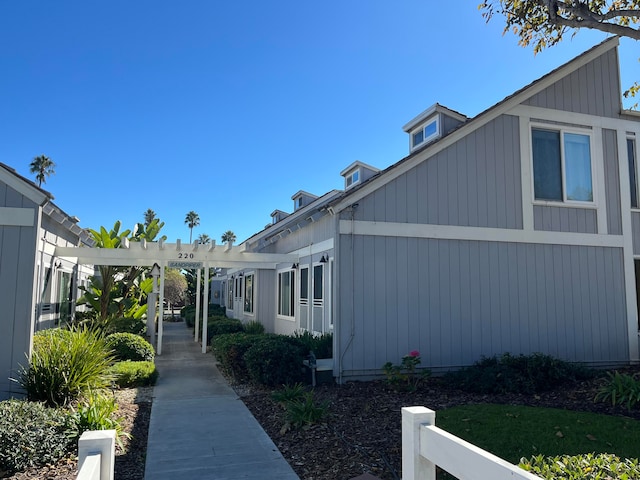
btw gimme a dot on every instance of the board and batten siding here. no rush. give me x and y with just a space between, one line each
474 182
564 219
593 89
635 227
17 266
457 300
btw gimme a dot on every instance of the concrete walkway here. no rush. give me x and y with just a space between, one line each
199 428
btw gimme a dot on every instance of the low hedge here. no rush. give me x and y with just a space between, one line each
128 346
274 360
130 374
229 350
32 435
588 467
137 326
517 374
222 325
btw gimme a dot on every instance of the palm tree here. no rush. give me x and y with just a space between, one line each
204 239
192 219
42 166
149 216
228 236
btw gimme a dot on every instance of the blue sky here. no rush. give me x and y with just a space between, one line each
229 108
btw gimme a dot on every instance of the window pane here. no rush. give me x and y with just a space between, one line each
248 294
547 172
577 153
304 283
317 282
431 129
356 176
418 137
631 154
285 294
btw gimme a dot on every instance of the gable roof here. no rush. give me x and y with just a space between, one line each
392 172
23 185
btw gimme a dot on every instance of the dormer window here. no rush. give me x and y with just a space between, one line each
425 134
353 178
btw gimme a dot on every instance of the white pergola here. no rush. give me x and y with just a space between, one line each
176 255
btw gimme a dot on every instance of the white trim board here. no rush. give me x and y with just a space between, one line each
481 234
17 217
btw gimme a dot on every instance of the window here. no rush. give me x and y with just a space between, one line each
633 180
286 296
353 178
318 274
230 296
426 133
561 166
248 293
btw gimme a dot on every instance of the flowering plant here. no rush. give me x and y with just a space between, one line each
404 376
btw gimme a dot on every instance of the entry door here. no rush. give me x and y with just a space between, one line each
304 298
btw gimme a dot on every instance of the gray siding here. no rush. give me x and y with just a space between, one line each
635 227
612 181
17 261
593 89
456 301
475 182
311 233
565 219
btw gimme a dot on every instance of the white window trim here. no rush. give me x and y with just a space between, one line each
244 287
596 158
294 291
425 139
632 136
350 176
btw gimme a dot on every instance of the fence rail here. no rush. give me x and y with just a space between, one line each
424 446
96 455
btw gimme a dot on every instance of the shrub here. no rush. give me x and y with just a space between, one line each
288 394
96 412
130 374
137 326
405 376
620 389
517 374
274 360
222 325
128 346
588 466
64 364
32 434
254 328
229 350
305 411
320 345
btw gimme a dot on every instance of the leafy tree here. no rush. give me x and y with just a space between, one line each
149 215
543 23
43 167
192 219
175 286
228 236
204 239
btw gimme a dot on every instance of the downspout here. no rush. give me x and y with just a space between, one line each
352 332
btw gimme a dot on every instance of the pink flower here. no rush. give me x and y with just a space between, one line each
414 353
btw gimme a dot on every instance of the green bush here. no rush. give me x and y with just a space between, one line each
97 412
32 434
588 467
221 325
229 350
305 411
274 360
129 346
517 374
254 328
189 313
137 326
65 364
130 374
620 389
320 345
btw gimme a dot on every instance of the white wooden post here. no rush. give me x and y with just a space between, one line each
414 465
102 442
205 309
197 325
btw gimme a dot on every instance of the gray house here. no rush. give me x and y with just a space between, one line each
516 231
37 290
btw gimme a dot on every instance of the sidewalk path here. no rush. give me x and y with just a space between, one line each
199 427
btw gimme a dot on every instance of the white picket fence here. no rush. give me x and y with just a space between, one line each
424 446
97 455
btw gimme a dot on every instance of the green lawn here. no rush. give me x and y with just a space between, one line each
513 432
